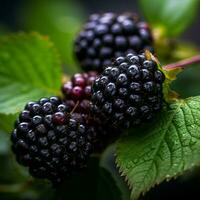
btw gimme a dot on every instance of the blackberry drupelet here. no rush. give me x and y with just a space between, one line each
78 89
108 36
49 140
77 94
129 91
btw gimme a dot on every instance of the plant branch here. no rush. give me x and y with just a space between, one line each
77 103
183 63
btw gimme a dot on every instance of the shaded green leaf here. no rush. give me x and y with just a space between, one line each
7 122
172 15
29 69
188 82
162 149
107 188
4 143
111 184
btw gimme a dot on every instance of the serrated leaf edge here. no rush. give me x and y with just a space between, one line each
131 185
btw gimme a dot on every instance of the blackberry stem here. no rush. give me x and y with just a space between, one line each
183 63
77 103
74 108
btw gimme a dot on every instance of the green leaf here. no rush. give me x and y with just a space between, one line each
29 69
162 149
7 122
171 15
4 143
189 75
107 188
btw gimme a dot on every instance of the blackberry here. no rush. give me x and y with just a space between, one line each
129 91
50 141
77 94
106 36
78 89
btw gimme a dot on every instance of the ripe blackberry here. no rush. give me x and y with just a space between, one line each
77 94
108 36
101 133
129 91
49 141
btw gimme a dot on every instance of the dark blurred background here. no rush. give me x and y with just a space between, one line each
10 10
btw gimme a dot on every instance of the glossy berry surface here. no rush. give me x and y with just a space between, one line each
78 91
49 141
108 36
129 91
101 133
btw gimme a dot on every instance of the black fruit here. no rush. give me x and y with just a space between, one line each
108 36
49 140
77 94
129 91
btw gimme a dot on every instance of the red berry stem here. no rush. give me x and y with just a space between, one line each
183 63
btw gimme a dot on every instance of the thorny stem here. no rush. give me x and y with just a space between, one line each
183 63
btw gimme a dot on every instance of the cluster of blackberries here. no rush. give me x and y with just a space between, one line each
77 95
54 136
